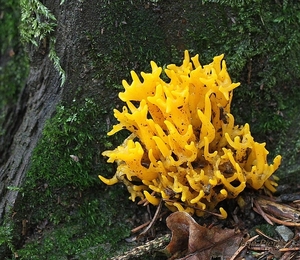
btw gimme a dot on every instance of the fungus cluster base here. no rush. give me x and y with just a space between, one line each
184 147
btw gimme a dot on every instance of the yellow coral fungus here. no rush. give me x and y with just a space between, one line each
185 148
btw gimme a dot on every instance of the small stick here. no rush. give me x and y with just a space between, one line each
259 210
152 221
288 255
264 235
144 250
242 247
282 222
289 249
136 229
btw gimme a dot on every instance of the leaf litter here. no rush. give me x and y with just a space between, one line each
244 237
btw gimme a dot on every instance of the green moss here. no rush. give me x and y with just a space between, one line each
7 238
91 233
260 40
14 65
36 25
67 209
126 42
266 229
32 28
69 152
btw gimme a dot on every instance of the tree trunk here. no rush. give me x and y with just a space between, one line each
25 120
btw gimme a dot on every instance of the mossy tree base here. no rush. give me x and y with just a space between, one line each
98 43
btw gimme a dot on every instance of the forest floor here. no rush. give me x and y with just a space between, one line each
257 227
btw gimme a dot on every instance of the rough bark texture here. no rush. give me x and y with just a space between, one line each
24 121
24 124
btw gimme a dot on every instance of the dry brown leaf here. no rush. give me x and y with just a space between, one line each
194 242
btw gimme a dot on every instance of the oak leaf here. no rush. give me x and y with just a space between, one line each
194 242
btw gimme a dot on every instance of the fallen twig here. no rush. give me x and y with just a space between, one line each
243 246
154 245
152 221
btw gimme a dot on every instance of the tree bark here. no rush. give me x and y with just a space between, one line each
25 120
24 123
